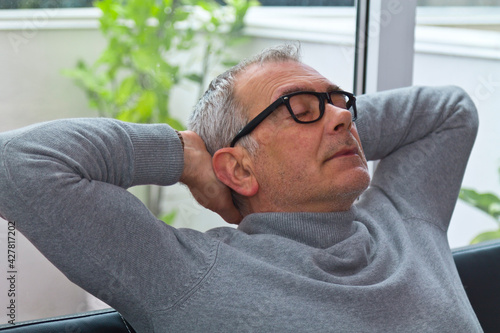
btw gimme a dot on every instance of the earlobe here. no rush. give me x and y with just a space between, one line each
233 168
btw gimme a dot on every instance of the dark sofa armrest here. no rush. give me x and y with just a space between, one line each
102 321
479 269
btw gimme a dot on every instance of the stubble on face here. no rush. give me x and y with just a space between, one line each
299 178
292 189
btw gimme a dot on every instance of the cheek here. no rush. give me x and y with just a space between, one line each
294 166
356 136
286 149
295 153
286 162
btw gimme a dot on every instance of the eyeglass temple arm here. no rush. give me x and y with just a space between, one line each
256 121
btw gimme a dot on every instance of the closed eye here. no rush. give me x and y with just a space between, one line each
303 114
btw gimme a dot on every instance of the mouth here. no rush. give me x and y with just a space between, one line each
345 152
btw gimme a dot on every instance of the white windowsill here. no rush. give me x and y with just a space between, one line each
329 25
49 19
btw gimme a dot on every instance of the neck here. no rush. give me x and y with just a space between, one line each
257 204
320 230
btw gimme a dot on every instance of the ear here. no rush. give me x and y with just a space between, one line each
233 167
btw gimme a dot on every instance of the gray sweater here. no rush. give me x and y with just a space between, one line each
383 266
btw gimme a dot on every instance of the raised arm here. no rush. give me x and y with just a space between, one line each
64 184
423 137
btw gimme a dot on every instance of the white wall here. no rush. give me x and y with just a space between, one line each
481 79
32 89
469 58
37 45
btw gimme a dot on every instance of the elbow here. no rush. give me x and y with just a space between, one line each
466 110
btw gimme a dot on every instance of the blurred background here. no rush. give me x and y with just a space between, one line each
63 59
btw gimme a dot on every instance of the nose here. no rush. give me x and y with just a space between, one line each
337 119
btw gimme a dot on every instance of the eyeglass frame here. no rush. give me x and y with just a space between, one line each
285 99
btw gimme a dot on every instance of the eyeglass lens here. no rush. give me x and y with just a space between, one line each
307 107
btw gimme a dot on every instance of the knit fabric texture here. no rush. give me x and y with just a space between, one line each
383 266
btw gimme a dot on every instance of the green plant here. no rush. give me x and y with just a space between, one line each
152 46
488 203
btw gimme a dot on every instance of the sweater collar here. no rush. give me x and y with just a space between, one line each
320 230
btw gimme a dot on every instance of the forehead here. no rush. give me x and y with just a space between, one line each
260 85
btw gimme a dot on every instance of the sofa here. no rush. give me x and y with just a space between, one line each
478 266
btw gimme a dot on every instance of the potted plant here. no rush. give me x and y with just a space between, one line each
150 46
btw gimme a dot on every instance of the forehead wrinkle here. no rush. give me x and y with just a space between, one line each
296 88
291 89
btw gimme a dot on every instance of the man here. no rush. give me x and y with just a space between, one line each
316 250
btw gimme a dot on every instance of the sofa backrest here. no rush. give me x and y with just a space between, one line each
102 321
479 269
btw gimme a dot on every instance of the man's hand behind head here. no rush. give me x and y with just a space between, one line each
200 178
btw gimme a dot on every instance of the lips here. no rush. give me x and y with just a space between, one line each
351 151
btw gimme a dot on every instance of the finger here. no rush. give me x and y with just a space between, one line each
217 197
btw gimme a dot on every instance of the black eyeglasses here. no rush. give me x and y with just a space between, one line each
305 107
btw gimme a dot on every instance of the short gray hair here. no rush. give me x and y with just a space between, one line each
219 115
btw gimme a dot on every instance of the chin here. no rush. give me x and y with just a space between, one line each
340 197
363 180
356 184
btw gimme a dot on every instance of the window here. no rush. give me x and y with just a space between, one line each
458 43
24 4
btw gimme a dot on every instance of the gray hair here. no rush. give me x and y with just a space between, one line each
219 115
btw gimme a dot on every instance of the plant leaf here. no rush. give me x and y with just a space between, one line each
195 77
126 89
486 236
143 59
174 123
487 202
145 106
169 217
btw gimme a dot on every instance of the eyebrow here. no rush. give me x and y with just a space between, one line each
332 87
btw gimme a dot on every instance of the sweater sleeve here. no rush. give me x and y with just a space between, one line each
423 137
64 185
